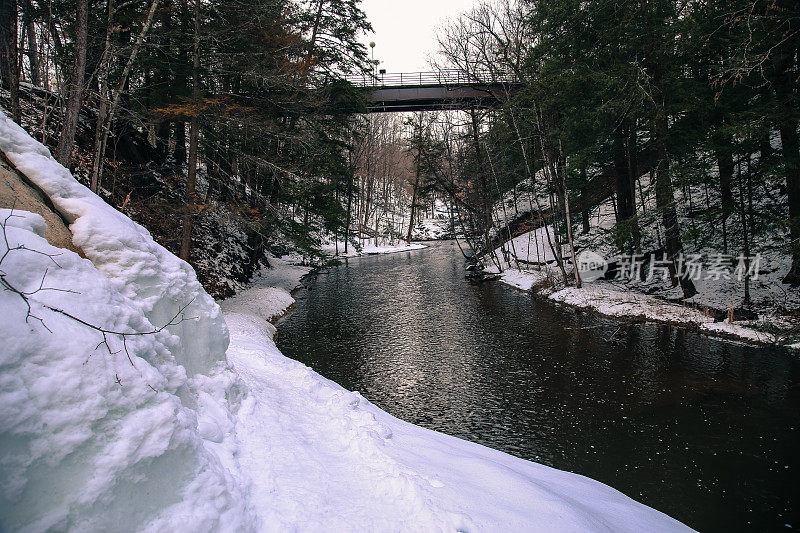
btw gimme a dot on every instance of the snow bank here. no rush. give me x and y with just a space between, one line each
268 296
739 331
615 303
321 458
627 299
124 252
91 440
524 280
371 249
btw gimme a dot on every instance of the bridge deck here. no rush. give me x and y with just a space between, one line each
442 90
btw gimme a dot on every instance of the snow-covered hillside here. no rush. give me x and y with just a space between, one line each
128 404
527 262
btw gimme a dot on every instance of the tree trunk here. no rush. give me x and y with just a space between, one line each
628 234
786 93
194 136
349 208
725 164
6 41
102 109
414 200
9 64
633 177
745 233
162 139
533 194
97 170
14 66
33 47
70 123
790 145
487 221
180 143
314 31
665 202
563 172
585 211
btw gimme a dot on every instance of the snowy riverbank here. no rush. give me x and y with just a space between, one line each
609 300
337 251
129 402
628 301
362 469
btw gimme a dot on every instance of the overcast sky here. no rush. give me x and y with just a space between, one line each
405 30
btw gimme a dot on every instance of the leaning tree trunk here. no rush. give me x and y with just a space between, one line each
530 175
70 123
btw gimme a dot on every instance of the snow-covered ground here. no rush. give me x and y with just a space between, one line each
527 262
104 368
433 228
127 403
427 228
370 249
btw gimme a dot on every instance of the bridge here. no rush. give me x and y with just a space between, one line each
435 91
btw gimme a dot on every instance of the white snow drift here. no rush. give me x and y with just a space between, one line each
186 437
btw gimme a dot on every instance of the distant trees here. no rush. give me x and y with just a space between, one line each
682 116
384 178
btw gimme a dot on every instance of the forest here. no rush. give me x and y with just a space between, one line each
230 128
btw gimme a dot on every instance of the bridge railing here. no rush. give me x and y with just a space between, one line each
452 77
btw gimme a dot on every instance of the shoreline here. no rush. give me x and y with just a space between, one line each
635 307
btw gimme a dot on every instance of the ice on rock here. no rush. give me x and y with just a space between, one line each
89 439
160 283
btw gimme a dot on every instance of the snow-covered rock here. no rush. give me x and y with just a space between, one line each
94 437
124 252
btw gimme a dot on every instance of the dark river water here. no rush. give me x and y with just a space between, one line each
703 430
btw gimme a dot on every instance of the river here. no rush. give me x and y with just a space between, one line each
703 430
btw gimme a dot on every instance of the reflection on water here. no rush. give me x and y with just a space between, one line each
703 430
